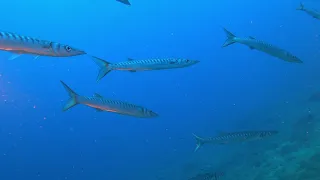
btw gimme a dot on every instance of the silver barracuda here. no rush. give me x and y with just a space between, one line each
262 46
141 65
103 104
18 45
225 138
314 13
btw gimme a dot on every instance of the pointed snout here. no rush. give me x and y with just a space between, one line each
153 114
196 61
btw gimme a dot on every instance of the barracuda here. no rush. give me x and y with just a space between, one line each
262 46
225 138
141 65
314 13
102 104
18 45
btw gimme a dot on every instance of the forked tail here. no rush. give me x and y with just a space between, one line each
73 97
301 7
124 2
230 38
199 142
104 67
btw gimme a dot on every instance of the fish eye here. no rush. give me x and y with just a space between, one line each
68 48
187 60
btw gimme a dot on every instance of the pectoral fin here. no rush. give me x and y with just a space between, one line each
48 45
36 57
14 56
98 110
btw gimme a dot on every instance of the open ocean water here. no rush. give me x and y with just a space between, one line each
236 95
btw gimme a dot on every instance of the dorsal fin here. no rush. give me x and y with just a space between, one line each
130 59
97 95
251 37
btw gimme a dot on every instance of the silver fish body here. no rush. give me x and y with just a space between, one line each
225 138
142 65
19 44
103 104
313 13
262 46
152 64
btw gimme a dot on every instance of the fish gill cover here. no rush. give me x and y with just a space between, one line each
123 89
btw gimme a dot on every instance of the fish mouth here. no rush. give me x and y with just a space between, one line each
81 52
192 62
196 61
76 51
153 114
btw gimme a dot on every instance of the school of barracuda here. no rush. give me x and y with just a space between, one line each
21 44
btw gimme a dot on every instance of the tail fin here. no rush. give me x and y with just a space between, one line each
73 97
104 67
301 7
199 142
230 38
124 2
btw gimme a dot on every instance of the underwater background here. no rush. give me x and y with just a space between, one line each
231 89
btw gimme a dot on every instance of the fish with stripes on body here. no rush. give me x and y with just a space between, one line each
262 46
314 13
103 104
141 65
225 138
18 45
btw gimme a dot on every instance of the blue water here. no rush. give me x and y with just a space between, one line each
39 141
